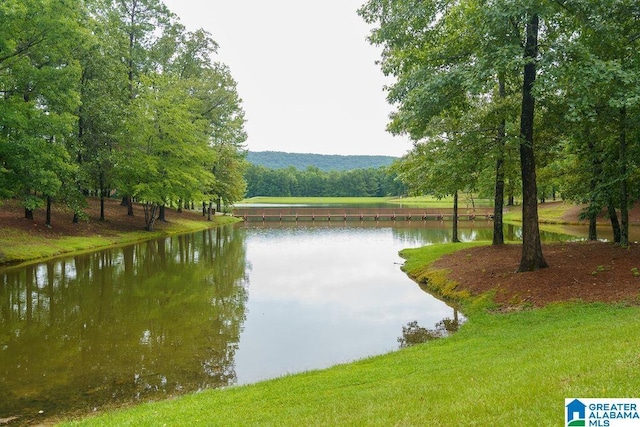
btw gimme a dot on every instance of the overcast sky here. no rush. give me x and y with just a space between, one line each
305 72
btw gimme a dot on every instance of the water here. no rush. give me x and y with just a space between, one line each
211 309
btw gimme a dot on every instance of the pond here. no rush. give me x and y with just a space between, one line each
221 307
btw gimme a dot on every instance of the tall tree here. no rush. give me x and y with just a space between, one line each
451 60
532 257
39 71
168 156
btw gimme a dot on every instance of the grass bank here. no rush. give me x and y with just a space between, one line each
498 370
18 245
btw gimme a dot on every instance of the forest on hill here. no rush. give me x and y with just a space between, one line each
280 174
324 162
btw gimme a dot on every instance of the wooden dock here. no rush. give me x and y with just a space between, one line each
308 213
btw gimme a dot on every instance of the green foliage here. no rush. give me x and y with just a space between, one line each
458 93
323 162
39 72
102 96
313 182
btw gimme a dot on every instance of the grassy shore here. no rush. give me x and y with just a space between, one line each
26 243
498 370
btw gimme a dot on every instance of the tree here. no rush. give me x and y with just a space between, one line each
441 168
167 156
452 67
448 57
104 100
532 257
39 71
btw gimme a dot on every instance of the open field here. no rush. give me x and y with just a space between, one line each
422 201
314 200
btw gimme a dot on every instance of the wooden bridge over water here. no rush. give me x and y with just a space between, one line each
309 213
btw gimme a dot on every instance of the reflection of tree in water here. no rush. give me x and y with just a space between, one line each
415 334
149 320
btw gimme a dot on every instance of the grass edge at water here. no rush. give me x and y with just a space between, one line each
497 369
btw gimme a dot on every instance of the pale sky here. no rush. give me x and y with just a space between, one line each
305 71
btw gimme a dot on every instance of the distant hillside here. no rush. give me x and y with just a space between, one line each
324 162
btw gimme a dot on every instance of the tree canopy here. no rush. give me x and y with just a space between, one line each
114 96
555 82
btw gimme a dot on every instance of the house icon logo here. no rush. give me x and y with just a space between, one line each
576 413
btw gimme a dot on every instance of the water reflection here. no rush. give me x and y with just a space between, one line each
176 315
413 333
329 293
156 318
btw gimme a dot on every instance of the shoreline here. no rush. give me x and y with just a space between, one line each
25 241
391 382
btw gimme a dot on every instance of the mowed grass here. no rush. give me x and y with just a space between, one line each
498 370
426 201
17 245
464 202
314 200
548 213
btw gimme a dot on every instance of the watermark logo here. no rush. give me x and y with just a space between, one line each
602 412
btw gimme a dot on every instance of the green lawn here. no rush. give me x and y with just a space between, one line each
19 246
315 200
498 370
427 201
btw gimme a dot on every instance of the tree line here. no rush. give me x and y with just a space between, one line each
531 98
325 162
114 96
313 182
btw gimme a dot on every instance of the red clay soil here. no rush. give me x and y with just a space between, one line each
585 271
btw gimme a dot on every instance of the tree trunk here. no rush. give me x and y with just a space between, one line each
593 231
47 221
454 234
219 204
594 207
532 258
76 218
102 197
615 225
161 216
150 211
129 206
209 211
498 201
624 190
28 213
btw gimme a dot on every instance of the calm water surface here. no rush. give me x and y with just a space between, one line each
211 309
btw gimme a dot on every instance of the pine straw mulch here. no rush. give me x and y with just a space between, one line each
585 271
